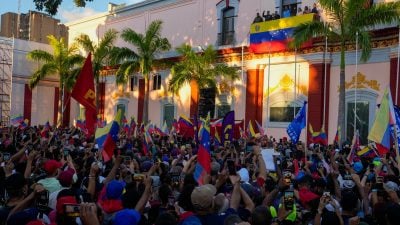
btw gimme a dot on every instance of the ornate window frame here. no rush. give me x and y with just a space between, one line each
221 6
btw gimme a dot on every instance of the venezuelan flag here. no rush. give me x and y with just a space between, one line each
186 127
384 119
107 136
366 152
24 124
203 165
319 137
17 120
260 128
147 140
250 130
274 35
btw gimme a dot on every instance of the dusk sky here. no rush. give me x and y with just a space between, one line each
67 12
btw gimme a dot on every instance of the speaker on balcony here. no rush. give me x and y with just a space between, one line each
207 102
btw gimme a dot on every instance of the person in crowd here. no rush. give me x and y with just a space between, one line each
312 184
306 10
286 12
258 18
268 16
276 16
299 11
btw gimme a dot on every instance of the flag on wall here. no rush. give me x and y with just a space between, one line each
274 35
384 119
203 165
298 123
318 137
84 93
227 128
107 137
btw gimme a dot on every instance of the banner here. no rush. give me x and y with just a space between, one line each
227 128
298 123
84 93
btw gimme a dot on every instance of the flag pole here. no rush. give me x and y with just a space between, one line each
355 87
295 83
269 75
325 55
398 62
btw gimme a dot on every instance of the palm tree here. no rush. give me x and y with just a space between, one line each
143 60
101 53
63 62
347 20
200 70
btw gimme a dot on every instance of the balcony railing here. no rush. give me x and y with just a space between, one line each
226 38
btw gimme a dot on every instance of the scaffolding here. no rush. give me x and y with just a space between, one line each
6 59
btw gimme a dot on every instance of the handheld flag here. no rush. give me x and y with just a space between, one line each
384 119
186 128
250 130
132 127
227 128
45 130
107 137
84 93
319 137
147 140
260 128
203 165
337 136
354 149
24 124
298 123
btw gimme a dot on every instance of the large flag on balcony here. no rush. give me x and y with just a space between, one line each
274 35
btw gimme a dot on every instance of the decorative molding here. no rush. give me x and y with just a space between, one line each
359 81
286 84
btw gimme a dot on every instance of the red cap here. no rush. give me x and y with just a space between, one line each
62 201
66 177
50 166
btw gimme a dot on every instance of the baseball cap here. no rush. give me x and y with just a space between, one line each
126 217
50 166
358 167
202 197
145 166
115 189
66 177
36 222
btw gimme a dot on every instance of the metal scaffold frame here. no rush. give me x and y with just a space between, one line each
6 60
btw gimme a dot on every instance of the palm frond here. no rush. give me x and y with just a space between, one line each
378 14
121 55
365 44
107 40
153 32
44 71
84 41
40 55
133 38
304 32
333 7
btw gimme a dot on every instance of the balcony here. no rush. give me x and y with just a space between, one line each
226 38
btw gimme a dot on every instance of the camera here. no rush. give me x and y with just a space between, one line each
6 156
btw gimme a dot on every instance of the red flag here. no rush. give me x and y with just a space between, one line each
84 93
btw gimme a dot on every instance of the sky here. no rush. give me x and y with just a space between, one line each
67 12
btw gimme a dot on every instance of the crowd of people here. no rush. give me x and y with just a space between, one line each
287 11
60 178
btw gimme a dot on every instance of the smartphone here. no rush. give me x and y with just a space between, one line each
66 152
72 210
288 200
42 201
171 200
231 167
6 156
327 194
138 177
278 162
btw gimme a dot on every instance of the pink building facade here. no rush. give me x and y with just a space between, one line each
271 87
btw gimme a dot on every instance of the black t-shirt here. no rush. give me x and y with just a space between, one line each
4 212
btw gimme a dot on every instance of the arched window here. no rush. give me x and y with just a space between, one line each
365 112
228 26
227 12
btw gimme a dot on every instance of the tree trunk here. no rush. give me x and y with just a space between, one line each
342 96
194 99
146 100
60 106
